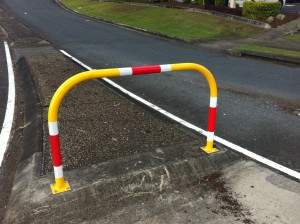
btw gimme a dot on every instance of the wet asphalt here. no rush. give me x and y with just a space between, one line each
257 99
3 83
291 7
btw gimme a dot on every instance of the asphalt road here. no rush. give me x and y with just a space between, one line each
3 83
257 99
291 8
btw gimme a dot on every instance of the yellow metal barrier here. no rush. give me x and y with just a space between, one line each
60 184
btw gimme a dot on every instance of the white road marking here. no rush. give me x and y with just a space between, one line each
233 146
10 108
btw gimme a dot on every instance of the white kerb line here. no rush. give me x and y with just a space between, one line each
10 108
233 146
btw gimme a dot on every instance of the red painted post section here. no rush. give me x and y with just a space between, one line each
56 153
142 70
212 119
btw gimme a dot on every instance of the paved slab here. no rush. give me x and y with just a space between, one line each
242 193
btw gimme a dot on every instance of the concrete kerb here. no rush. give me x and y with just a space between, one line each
33 132
110 182
274 57
266 56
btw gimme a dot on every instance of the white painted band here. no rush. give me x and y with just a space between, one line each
58 171
165 68
210 136
76 60
237 148
125 71
213 102
10 107
53 128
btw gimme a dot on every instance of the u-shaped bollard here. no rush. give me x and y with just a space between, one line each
60 184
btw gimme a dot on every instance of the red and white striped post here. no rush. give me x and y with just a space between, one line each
60 184
212 114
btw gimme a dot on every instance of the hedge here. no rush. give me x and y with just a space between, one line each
209 2
260 10
219 2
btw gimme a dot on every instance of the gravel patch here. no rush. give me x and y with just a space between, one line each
96 124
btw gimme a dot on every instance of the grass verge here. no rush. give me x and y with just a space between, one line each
270 50
292 37
171 22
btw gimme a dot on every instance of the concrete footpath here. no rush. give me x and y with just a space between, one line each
273 38
126 163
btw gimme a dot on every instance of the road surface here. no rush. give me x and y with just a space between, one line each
3 83
257 103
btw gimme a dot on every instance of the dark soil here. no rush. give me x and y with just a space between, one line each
288 18
216 183
228 203
226 10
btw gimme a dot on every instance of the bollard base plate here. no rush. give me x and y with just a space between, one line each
209 150
60 189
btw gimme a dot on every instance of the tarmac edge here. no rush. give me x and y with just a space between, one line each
265 56
33 128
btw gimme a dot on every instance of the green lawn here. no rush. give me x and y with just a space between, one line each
271 50
293 37
171 22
